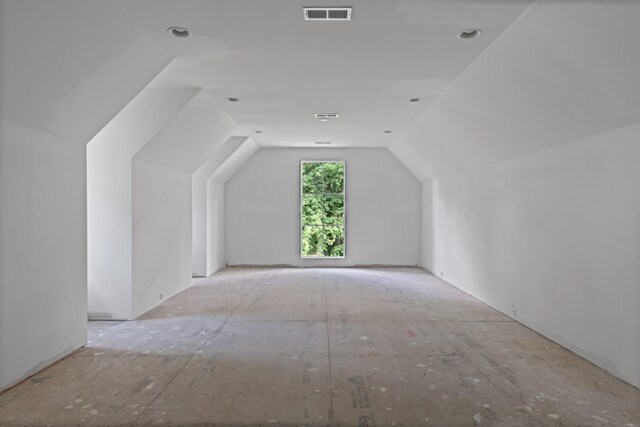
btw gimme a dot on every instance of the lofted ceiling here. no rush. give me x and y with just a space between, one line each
563 71
284 69
542 73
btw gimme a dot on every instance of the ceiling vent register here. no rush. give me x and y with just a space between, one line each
326 116
327 13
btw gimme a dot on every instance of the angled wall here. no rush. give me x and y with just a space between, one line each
86 60
535 210
551 239
145 169
42 250
161 235
163 210
58 90
109 172
225 146
216 183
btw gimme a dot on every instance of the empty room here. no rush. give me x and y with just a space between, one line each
319 213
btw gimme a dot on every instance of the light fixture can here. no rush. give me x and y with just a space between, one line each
179 32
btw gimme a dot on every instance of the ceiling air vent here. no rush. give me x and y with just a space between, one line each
323 142
326 116
327 13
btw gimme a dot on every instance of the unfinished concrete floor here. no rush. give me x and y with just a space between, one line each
312 347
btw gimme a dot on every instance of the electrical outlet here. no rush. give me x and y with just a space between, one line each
513 310
442 274
161 296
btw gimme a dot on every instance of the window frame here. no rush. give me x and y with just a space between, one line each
344 214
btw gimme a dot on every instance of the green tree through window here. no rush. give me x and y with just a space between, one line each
322 209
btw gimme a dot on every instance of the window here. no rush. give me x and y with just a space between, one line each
322 209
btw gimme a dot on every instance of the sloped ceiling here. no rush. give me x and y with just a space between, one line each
564 70
191 137
284 69
235 161
541 73
68 67
224 153
136 124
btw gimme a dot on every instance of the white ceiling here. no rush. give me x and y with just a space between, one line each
541 74
69 66
563 71
284 69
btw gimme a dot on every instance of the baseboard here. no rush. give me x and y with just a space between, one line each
321 266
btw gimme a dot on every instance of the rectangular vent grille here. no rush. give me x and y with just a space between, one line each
327 13
323 142
326 115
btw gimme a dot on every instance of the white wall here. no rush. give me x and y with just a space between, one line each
215 226
190 140
200 195
55 83
109 184
162 134
532 209
222 172
556 234
43 284
161 234
428 226
198 227
382 209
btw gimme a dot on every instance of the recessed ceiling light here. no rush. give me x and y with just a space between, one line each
233 99
179 32
258 131
469 34
414 100
387 131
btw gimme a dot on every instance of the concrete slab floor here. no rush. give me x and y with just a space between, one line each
318 347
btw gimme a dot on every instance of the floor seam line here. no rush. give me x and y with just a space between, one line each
326 312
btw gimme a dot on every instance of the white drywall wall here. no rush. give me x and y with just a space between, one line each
109 207
262 211
43 269
428 226
215 226
198 227
193 139
553 232
208 202
215 199
63 88
201 204
161 234
556 235
199 196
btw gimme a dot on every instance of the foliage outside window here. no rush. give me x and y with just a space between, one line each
322 209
